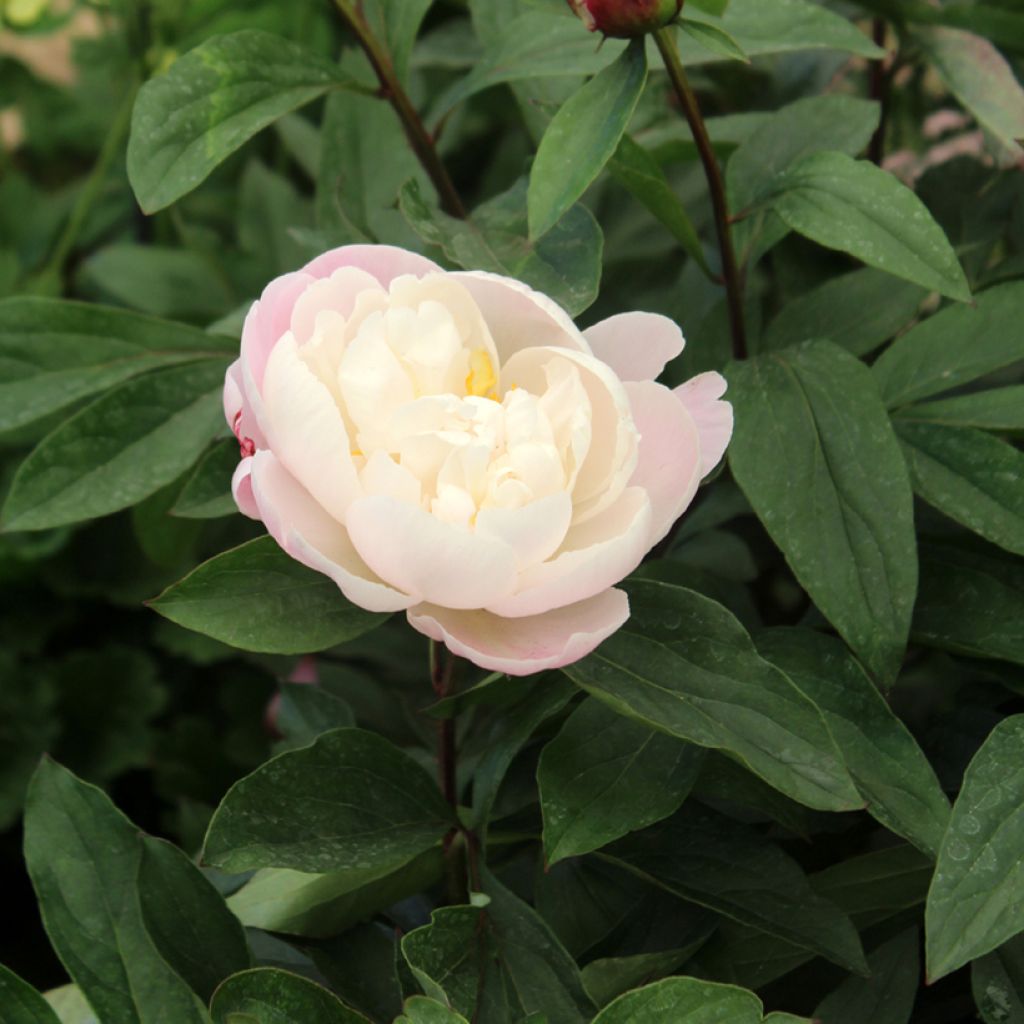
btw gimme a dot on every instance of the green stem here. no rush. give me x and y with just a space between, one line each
688 101
92 188
420 139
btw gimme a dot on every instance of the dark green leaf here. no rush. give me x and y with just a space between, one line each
953 347
998 983
259 599
887 997
306 711
120 449
83 858
857 208
349 801
397 23
842 512
888 767
421 1010
207 492
970 476
713 38
980 78
20 1003
976 901
995 409
857 311
187 919
729 868
604 775
608 978
684 665
582 137
54 352
187 120
565 264
970 603
267 995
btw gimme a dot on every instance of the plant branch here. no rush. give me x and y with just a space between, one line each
688 101
420 139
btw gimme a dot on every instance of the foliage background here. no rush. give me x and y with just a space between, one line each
807 536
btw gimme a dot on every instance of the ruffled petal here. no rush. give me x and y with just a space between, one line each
596 554
520 647
534 531
519 317
670 465
419 554
307 533
636 345
384 262
702 397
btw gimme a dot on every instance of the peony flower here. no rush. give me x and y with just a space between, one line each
452 446
624 19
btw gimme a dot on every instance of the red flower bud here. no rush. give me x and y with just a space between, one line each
624 19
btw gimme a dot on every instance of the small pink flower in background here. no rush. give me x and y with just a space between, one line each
451 445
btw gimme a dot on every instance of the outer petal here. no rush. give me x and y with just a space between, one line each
702 397
519 317
238 410
636 345
312 537
384 262
520 647
596 554
241 488
267 320
670 464
420 554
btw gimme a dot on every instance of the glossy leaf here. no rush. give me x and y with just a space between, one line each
421 1010
187 120
187 919
976 901
855 207
953 347
207 492
382 811
56 352
842 513
682 664
397 22
305 711
604 775
606 979
994 409
120 449
582 137
997 981
713 38
729 868
259 599
888 767
565 264
20 1003
970 476
83 857
267 995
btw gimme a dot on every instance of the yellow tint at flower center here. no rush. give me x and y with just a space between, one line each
481 379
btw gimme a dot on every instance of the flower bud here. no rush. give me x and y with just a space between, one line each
624 19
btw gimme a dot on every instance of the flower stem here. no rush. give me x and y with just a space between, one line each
420 139
688 101
442 666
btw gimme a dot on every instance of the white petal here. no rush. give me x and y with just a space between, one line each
335 294
533 531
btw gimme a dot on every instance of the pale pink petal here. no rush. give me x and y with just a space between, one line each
307 533
519 317
333 295
384 262
669 468
534 531
241 489
702 397
306 431
238 410
595 555
520 647
267 320
419 554
636 345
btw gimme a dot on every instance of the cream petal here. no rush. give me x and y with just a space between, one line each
382 475
419 554
268 320
519 317
306 430
384 262
534 531
307 533
594 556
669 467
702 397
520 647
336 294
636 345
